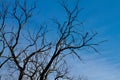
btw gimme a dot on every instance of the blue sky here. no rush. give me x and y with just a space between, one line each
102 16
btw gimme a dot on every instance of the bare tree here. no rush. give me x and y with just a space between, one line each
30 54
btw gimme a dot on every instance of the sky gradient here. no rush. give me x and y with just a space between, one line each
102 16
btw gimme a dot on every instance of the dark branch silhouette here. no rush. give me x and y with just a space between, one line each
30 54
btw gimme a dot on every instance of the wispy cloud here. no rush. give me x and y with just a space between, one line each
105 67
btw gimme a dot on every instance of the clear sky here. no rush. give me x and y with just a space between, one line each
102 16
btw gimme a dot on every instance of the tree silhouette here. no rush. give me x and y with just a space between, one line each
30 54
